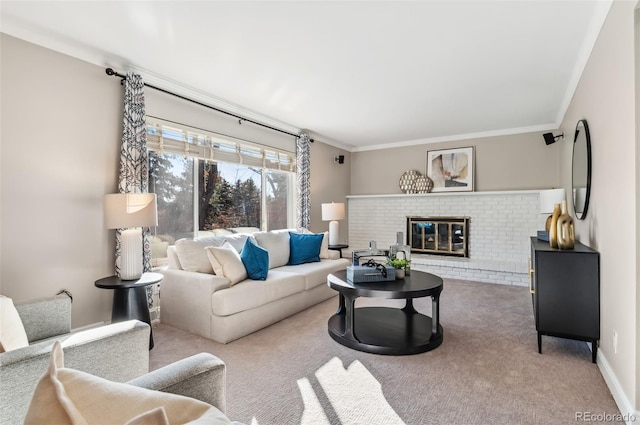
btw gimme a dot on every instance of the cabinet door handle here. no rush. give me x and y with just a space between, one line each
531 271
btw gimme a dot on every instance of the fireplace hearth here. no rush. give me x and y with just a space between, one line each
438 235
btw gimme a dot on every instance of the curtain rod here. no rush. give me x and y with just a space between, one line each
111 72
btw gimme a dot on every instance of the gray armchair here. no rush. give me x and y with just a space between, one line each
118 352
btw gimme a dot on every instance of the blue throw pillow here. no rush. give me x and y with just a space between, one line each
255 260
304 248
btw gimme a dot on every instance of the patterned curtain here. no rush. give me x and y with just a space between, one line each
303 172
134 166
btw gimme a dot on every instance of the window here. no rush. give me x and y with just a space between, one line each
209 185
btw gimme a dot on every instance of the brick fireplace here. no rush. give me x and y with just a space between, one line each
498 234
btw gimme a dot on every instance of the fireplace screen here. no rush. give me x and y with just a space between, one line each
439 235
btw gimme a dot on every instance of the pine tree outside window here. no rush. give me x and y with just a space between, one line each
206 185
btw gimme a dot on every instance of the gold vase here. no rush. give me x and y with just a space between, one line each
553 227
565 230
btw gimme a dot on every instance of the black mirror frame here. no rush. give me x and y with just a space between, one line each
588 143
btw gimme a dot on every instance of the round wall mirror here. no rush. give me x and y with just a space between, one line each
581 169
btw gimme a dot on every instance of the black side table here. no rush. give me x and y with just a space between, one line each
338 247
130 298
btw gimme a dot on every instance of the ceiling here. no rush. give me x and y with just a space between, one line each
357 74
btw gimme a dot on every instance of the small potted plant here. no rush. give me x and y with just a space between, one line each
400 264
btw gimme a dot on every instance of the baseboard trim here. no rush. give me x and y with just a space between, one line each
629 414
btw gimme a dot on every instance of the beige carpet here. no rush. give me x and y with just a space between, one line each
487 370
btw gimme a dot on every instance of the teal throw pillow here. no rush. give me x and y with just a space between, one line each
255 260
305 248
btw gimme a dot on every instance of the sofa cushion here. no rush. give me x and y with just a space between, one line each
226 262
237 241
173 262
255 260
315 274
254 293
214 232
12 333
67 396
304 248
192 256
277 243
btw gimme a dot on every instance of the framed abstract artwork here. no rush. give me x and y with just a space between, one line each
451 169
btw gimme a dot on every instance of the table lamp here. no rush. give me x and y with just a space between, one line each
548 199
130 211
333 212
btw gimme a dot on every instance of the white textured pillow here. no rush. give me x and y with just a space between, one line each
192 256
324 248
276 243
237 241
226 262
66 396
12 333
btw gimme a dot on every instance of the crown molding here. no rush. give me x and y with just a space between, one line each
446 194
468 136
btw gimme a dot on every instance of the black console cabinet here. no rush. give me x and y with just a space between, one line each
565 290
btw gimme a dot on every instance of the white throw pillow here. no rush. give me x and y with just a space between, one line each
237 241
192 256
276 242
226 262
66 396
324 248
12 333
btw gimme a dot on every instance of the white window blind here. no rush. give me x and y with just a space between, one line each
164 136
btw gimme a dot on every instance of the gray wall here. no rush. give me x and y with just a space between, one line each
329 183
59 140
605 97
514 162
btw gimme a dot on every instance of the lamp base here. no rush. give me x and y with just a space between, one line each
334 233
131 254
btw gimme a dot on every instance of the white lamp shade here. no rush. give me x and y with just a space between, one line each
127 210
548 199
332 211
130 211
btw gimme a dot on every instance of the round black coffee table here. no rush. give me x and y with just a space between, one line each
387 330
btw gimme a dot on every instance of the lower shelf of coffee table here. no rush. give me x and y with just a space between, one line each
384 330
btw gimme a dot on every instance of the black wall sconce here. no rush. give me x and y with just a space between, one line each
550 139
339 159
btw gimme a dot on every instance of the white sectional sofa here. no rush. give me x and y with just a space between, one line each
195 299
